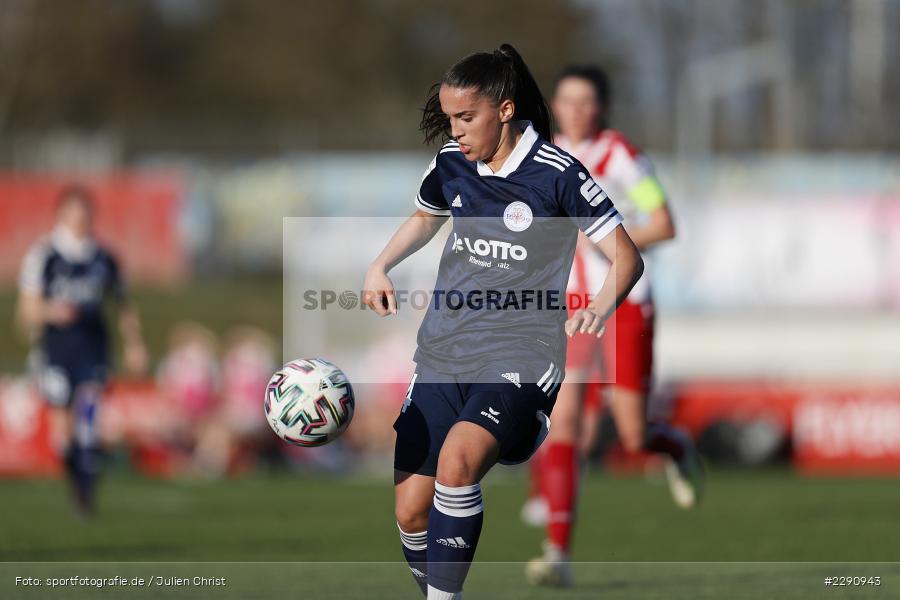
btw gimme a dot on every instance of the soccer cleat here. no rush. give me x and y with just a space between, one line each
535 512
686 477
553 569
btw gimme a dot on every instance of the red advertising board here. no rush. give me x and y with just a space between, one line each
834 429
849 431
134 415
25 449
136 216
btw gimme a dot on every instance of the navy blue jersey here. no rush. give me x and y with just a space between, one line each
84 279
500 290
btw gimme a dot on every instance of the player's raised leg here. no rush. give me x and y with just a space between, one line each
457 514
685 471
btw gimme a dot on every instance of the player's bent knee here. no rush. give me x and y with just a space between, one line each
413 496
455 470
467 453
412 519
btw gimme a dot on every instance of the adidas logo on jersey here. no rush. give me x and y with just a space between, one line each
457 202
456 542
512 378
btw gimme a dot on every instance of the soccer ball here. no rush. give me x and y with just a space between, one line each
309 402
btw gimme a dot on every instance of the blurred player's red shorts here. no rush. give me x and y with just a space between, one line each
623 356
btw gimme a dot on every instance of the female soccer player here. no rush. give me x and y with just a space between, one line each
64 281
493 339
623 356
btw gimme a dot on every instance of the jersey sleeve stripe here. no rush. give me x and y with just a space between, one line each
428 204
609 223
553 157
430 209
553 164
600 221
563 157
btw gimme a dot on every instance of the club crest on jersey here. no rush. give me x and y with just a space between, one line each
517 216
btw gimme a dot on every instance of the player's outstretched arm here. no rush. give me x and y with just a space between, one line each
625 269
416 231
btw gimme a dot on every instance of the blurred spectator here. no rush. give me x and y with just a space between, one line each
188 376
229 441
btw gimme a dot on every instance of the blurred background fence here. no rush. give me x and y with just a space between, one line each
201 124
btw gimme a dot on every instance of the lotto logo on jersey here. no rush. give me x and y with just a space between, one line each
493 248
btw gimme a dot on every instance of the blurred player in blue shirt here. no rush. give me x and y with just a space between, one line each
65 281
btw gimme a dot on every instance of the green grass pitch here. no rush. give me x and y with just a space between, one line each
757 535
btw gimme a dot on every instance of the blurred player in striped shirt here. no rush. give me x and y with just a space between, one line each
621 360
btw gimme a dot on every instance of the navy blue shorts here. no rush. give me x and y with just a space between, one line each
58 380
513 404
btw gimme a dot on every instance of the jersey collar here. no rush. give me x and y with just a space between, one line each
71 248
515 158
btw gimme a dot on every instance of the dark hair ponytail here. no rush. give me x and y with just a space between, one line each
499 75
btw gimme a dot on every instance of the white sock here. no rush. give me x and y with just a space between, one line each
436 594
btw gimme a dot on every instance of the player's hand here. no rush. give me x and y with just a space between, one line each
378 292
136 358
585 321
60 313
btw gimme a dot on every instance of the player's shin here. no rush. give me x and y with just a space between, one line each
454 527
561 473
415 547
